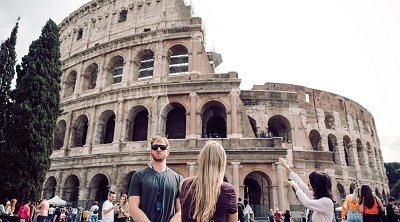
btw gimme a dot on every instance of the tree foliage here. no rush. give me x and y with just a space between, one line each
36 106
393 175
7 73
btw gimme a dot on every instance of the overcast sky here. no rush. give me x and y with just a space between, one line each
347 47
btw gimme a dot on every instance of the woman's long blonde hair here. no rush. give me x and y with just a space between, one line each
206 185
354 198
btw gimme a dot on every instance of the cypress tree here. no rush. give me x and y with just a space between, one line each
35 113
7 73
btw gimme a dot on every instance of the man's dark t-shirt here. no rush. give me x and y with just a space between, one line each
226 203
146 183
240 212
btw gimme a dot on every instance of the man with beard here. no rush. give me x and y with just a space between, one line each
154 191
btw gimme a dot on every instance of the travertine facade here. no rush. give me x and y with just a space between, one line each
137 68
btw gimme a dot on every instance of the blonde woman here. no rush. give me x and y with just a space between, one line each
350 207
205 197
123 214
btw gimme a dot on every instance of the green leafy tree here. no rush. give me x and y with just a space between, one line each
393 175
7 73
34 115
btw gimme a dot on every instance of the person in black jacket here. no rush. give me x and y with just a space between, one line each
391 216
240 210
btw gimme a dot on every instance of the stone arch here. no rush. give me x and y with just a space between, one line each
71 189
315 140
79 131
175 121
253 124
49 190
115 70
348 148
144 63
178 58
125 182
341 192
279 126
360 153
138 124
89 80
69 83
105 128
333 147
99 187
329 121
214 120
59 134
371 160
258 190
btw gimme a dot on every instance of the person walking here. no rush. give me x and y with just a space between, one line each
350 207
154 191
240 207
369 205
108 209
247 211
391 216
205 197
317 197
122 212
94 212
43 208
277 215
24 212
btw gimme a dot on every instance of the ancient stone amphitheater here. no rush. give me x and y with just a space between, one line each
132 69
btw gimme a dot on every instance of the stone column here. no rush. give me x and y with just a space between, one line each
192 168
92 127
79 80
193 100
235 176
68 134
118 121
281 188
234 93
154 115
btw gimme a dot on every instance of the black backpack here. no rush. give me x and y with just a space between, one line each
240 210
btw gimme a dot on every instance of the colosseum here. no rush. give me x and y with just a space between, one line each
133 69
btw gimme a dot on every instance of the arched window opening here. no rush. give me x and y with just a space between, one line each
146 64
98 188
178 60
258 190
176 123
279 126
90 77
333 147
106 127
80 34
71 190
140 126
126 182
60 134
315 140
214 121
348 148
49 190
360 153
118 70
371 158
80 130
69 86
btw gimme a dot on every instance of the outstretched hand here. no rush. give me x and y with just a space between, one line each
292 184
283 163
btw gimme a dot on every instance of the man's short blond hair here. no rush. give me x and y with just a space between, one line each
164 139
